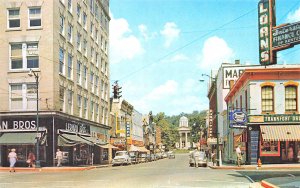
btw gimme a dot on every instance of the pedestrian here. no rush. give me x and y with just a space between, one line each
238 155
290 155
213 157
196 156
298 155
59 157
31 159
12 157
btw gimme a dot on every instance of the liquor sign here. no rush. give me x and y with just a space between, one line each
276 118
272 38
238 119
286 36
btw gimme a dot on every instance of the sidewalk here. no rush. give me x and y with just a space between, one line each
53 169
254 167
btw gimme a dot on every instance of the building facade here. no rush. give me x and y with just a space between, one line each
65 44
270 97
184 133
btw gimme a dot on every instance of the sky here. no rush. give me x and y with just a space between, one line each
160 48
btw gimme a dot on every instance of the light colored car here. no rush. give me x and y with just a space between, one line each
171 155
198 157
121 158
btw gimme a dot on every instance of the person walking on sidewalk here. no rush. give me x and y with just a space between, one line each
12 157
238 155
59 157
31 159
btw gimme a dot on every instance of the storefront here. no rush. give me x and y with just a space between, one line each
274 138
79 140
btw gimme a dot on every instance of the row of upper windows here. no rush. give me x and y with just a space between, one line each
67 102
14 19
268 99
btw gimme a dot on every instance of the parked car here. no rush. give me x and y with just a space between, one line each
133 157
121 158
171 155
164 155
198 157
142 157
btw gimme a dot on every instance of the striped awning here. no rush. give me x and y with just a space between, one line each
280 132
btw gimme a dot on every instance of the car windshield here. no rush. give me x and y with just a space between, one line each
120 153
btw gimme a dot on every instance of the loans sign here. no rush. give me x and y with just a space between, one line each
272 38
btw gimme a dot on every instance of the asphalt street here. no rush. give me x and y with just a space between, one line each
163 173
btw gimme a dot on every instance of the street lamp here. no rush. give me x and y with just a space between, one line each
36 76
214 80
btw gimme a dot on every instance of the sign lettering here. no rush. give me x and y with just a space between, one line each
286 36
231 73
18 125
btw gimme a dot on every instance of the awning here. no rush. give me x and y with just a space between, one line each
133 148
93 140
280 132
20 138
143 149
107 146
71 140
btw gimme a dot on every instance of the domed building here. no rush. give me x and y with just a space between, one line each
184 133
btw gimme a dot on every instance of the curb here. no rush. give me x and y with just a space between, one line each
253 167
48 169
266 184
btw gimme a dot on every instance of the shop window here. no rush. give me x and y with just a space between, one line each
14 18
267 97
290 98
35 19
269 148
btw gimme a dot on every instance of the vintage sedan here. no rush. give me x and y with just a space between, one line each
198 158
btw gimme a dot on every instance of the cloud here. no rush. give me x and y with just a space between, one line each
145 33
294 16
170 32
215 51
179 57
167 89
123 44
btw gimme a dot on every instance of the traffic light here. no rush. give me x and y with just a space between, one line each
117 91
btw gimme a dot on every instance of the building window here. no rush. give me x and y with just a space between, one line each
78 12
96 85
78 72
35 18
84 77
92 81
97 112
92 29
85 107
70 102
70 66
97 59
61 61
92 54
78 41
70 29
105 91
79 103
92 111
70 5
61 98
84 20
13 18
24 56
290 98
84 47
246 101
23 96
61 24
267 97
102 89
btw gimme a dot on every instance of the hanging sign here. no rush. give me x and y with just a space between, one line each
238 119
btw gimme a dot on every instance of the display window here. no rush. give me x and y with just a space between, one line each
269 148
23 151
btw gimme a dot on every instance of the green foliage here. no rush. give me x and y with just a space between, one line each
169 126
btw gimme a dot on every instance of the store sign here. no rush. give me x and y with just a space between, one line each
238 119
127 129
77 127
231 74
18 125
277 118
286 36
